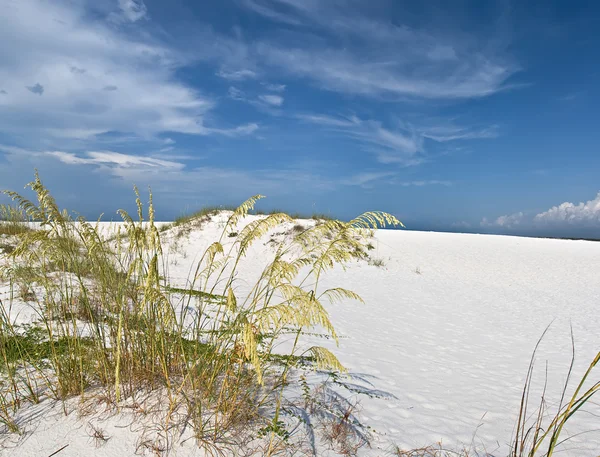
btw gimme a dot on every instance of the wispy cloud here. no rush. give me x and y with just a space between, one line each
116 159
129 83
269 103
367 178
329 121
276 87
275 100
172 174
268 11
445 133
508 221
133 10
388 178
390 146
237 75
403 145
384 58
236 94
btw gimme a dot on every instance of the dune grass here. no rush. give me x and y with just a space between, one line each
202 213
12 221
297 215
110 323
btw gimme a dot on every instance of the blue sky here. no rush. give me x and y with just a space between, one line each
467 116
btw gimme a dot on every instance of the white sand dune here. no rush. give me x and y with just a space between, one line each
448 328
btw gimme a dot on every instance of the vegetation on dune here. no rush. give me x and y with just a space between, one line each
110 322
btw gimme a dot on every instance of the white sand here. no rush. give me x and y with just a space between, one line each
451 344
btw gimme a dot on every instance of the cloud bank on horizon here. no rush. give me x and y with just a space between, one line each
582 219
441 115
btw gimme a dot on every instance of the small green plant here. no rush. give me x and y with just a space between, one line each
377 262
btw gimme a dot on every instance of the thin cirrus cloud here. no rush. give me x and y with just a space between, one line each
369 179
387 145
109 158
79 62
237 75
266 102
403 145
166 170
431 66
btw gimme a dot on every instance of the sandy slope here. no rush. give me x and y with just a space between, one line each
448 328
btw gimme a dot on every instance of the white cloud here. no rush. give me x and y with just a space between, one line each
567 213
237 75
445 133
116 159
125 80
564 217
329 121
276 87
508 221
274 100
246 129
133 10
366 178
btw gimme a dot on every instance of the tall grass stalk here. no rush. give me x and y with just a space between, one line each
540 438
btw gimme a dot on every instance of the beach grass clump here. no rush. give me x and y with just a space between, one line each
12 221
110 322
